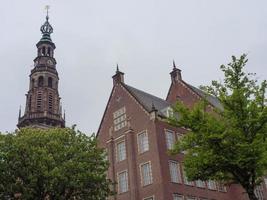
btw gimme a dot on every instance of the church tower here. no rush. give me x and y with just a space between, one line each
43 108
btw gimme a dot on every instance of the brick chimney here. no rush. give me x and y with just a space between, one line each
118 77
175 74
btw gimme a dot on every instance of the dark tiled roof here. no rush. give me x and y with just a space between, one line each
211 99
147 100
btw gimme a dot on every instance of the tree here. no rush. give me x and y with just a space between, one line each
227 144
52 164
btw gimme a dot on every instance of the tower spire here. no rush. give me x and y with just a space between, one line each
47 7
117 68
173 64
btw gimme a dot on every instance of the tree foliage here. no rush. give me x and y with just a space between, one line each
52 164
228 144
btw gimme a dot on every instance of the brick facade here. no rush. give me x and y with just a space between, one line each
145 112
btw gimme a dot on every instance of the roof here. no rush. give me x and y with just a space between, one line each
147 100
211 99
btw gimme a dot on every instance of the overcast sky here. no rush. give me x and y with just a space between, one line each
143 36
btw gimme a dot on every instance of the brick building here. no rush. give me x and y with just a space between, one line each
137 138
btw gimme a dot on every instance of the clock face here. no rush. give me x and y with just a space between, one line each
49 62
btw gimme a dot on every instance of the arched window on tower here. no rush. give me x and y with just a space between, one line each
40 81
43 51
49 51
33 83
50 82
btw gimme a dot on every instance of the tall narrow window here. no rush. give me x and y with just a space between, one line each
40 81
50 101
170 139
43 51
121 151
39 101
122 182
178 197
50 82
49 51
146 173
175 172
143 145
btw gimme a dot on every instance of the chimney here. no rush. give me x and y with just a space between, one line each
175 74
118 77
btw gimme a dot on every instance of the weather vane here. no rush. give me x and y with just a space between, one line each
47 7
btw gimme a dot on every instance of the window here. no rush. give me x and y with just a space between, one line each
211 185
122 182
40 81
200 184
143 145
50 101
259 192
175 172
43 51
50 82
170 139
265 180
178 197
191 198
39 100
186 179
149 198
121 151
221 187
30 103
49 51
119 118
146 173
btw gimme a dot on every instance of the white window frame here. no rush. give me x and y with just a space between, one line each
148 198
127 181
141 173
210 184
177 195
118 159
178 168
140 151
200 184
168 145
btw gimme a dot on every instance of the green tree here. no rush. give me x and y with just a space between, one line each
52 164
227 144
